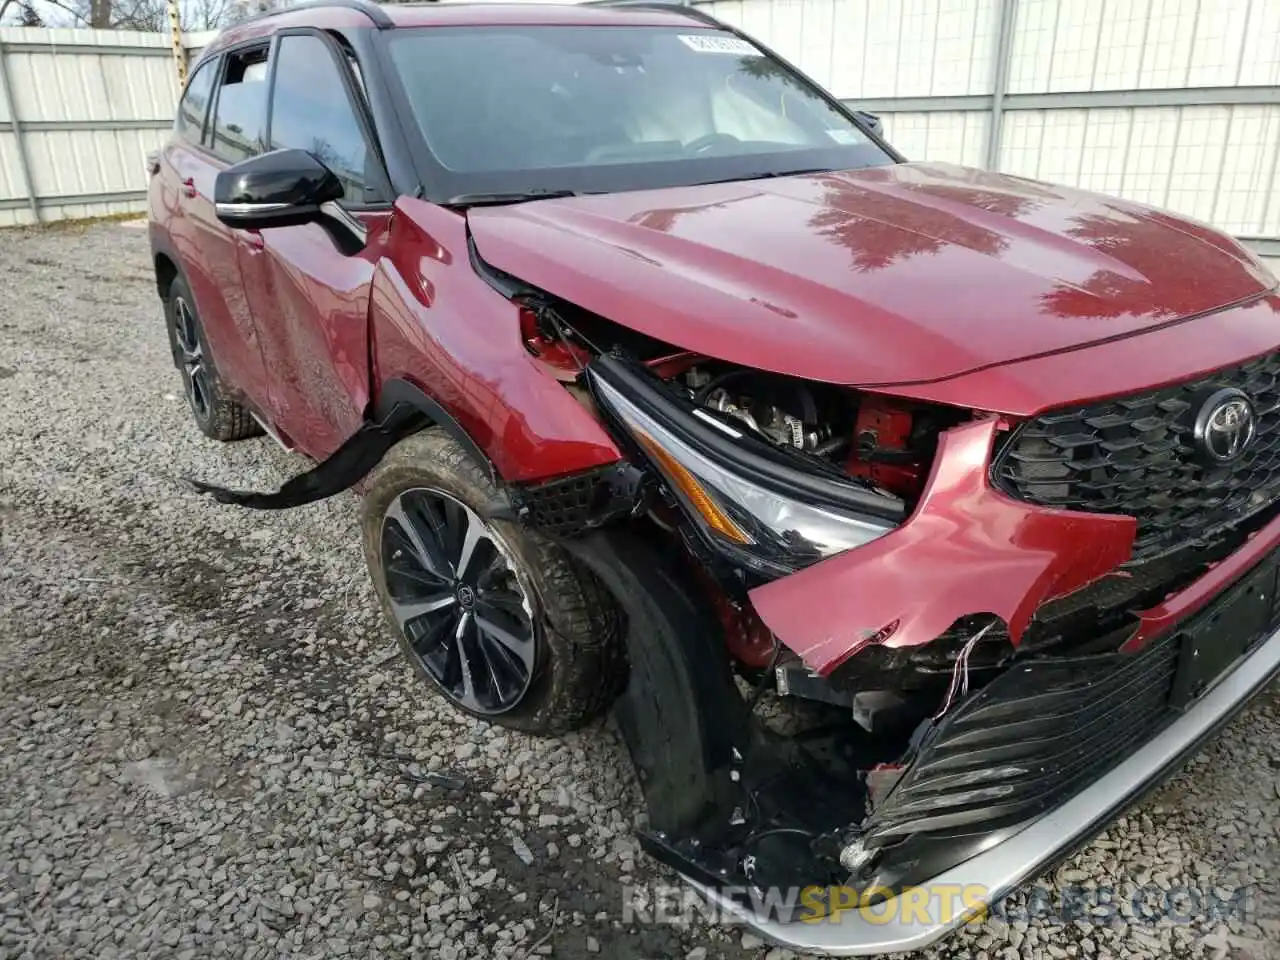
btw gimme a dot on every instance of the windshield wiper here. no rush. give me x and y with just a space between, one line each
499 199
767 175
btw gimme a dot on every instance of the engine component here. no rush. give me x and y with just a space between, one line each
885 447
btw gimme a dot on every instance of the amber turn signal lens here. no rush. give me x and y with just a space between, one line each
688 484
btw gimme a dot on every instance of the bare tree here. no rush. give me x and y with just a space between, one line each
148 15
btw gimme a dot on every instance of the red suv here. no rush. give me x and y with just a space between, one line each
914 519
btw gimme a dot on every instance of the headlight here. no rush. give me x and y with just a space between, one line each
764 508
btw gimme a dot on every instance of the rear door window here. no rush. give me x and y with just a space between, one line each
240 113
195 103
312 110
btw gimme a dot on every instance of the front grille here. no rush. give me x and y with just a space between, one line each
1135 456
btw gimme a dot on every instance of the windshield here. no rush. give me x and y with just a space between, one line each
519 109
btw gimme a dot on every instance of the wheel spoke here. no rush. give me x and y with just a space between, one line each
468 683
185 326
506 665
425 550
456 523
520 646
473 535
431 639
496 604
407 610
199 387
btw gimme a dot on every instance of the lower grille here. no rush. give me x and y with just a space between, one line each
1047 726
1031 737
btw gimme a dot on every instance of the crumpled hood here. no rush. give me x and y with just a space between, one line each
897 274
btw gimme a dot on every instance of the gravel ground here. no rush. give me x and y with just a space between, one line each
208 747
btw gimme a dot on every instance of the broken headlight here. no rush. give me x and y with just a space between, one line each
769 509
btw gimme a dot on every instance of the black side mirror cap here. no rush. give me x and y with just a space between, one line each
279 189
870 120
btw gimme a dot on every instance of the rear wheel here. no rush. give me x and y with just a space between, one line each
215 413
497 618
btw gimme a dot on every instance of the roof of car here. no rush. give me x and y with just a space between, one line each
337 14
458 12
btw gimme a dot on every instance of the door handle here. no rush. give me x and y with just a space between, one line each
189 187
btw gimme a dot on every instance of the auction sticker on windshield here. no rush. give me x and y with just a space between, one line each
704 43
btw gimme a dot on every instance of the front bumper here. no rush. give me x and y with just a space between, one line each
910 921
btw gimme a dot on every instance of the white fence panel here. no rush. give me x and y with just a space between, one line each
953 136
89 105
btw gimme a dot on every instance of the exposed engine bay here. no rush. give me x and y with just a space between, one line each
882 441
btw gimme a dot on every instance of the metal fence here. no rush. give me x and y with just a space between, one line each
1170 102
79 111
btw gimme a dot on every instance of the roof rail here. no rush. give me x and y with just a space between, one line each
371 10
688 9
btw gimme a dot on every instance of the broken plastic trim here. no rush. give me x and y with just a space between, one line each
358 454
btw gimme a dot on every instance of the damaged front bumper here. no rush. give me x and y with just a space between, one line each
934 906
1006 780
966 549
1092 677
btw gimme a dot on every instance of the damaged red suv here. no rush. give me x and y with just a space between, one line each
913 519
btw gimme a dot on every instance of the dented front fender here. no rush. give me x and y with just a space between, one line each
967 549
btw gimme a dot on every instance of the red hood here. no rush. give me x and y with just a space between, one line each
895 274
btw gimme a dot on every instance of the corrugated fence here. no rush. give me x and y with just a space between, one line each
79 111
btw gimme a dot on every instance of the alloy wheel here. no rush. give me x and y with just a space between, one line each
195 370
459 599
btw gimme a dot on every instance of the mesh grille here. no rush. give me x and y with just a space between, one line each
1135 456
565 506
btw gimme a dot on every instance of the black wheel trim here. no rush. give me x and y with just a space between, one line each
195 370
459 599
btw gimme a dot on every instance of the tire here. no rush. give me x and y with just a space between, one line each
575 664
214 412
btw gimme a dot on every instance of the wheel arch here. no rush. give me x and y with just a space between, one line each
400 392
166 272
164 260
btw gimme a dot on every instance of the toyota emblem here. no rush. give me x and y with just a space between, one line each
1225 426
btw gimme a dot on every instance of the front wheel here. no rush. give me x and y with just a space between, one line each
500 620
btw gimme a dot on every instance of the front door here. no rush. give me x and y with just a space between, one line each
308 292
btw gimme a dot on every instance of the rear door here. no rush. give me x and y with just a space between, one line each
233 127
309 292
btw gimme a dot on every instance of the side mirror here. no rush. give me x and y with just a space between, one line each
283 188
870 120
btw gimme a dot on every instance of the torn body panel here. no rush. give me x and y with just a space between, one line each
967 549
437 324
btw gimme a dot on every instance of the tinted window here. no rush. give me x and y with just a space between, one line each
588 108
195 103
240 125
311 111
